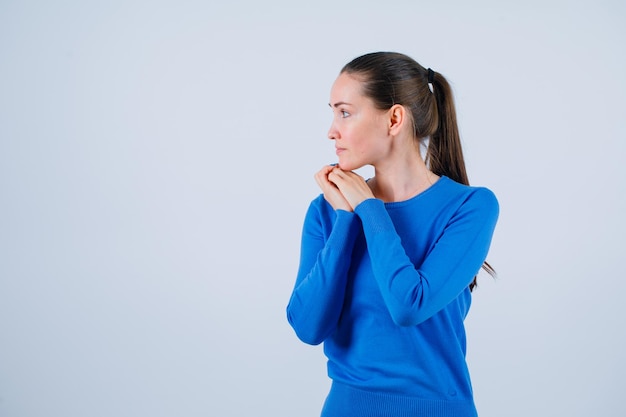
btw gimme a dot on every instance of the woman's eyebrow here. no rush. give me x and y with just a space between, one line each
339 103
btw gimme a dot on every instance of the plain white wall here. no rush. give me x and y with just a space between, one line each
157 157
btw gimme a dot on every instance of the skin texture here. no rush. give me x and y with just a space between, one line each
365 135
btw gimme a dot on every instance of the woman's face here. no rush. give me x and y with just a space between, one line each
359 129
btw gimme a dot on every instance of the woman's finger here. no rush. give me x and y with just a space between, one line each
331 192
352 186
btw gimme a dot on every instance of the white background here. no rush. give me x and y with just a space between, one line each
157 158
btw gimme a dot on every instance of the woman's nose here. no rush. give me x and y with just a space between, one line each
332 132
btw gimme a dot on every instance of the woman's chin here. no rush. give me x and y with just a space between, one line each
349 166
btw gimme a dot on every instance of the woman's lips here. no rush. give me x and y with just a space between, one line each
339 150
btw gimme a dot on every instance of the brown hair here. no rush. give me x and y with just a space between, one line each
391 78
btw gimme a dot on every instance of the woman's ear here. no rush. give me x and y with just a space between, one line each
397 119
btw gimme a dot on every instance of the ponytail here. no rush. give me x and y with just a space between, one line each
445 154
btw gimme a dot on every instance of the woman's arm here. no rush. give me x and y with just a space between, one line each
415 293
317 299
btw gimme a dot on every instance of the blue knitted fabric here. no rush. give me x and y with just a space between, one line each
385 288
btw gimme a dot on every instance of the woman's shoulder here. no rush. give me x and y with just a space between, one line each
448 198
449 186
469 196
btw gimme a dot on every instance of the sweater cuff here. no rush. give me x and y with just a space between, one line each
372 213
344 229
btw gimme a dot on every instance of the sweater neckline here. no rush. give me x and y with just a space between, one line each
420 195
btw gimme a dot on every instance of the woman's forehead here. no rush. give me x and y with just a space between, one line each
346 89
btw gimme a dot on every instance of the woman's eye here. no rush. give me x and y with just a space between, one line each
344 114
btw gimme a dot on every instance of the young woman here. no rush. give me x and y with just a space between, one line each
387 265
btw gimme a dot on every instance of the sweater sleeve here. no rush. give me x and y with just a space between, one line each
414 293
317 298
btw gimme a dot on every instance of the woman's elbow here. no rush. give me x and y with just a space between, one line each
310 338
310 335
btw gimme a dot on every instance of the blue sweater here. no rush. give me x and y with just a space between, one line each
386 289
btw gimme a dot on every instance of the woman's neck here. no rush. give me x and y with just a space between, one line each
401 178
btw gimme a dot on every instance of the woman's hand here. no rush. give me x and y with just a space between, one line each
352 186
331 193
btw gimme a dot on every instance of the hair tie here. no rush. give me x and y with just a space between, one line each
431 78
